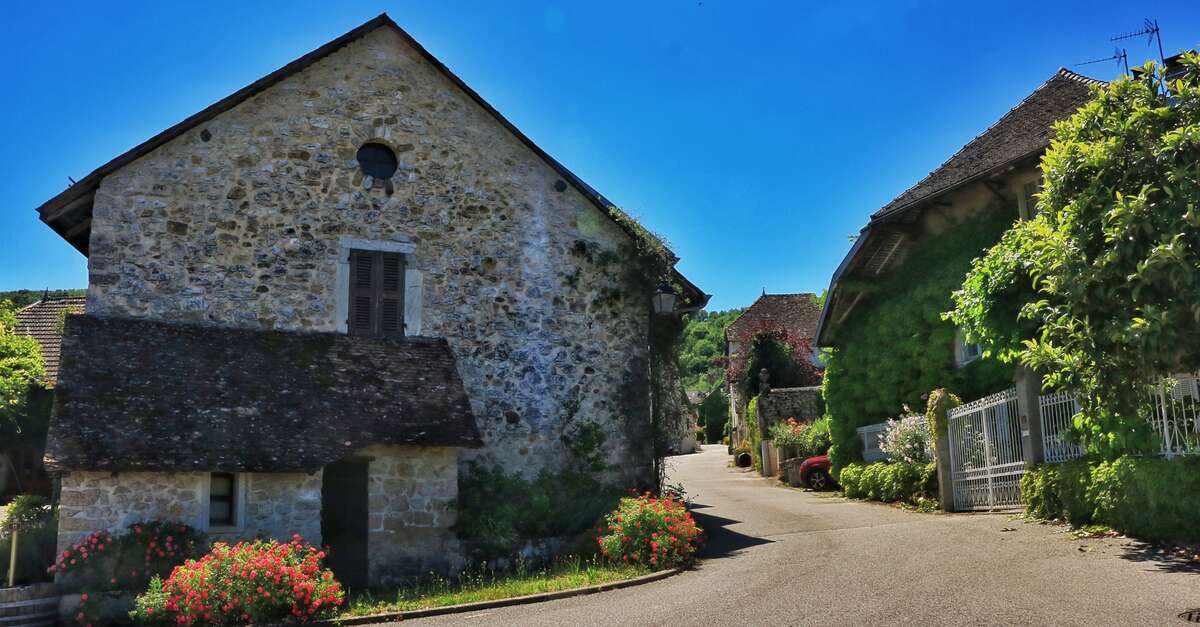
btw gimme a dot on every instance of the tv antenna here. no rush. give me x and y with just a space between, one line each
1153 34
1118 55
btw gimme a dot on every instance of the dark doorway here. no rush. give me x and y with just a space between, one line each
344 521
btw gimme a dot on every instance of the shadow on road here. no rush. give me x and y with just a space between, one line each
721 541
1161 558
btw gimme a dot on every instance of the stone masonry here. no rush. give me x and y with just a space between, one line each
411 495
239 222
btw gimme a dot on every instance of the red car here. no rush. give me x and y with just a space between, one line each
814 473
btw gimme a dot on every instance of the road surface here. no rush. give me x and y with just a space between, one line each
779 556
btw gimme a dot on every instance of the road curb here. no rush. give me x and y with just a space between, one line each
487 605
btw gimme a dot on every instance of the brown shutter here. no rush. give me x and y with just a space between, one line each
391 294
376 293
362 293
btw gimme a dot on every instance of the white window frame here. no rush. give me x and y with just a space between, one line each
413 282
240 485
963 354
1024 210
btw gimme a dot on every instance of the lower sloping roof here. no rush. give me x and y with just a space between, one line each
43 322
797 313
142 395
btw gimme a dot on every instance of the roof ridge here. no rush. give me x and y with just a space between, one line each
1061 73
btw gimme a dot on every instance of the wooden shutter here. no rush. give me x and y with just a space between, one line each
376 293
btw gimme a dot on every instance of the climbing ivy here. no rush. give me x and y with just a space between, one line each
895 347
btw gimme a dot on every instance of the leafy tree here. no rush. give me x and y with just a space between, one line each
1101 290
703 353
20 366
714 415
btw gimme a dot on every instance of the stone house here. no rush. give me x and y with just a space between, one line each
21 470
994 176
313 304
796 314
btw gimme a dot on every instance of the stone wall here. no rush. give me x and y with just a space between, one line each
803 404
411 494
271 505
240 221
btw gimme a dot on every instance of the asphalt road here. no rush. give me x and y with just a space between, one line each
778 556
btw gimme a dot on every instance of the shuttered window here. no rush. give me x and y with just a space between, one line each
376 293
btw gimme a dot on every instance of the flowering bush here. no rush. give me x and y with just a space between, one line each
908 440
258 582
646 530
788 433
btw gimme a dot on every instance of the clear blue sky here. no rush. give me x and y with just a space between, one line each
755 136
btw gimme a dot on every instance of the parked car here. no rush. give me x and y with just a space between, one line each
814 473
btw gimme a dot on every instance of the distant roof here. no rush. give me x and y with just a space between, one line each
70 212
1024 131
797 313
143 395
42 321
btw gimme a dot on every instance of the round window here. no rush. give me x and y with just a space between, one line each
377 160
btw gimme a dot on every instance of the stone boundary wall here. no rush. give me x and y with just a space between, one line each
779 404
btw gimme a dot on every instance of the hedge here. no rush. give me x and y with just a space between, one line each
889 482
1148 497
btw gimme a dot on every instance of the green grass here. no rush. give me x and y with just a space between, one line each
488 585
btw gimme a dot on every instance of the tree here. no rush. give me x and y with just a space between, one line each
788 360
20 365
1100 291
702 357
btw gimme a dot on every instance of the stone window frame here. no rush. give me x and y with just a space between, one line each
241 481
413 282
1024 210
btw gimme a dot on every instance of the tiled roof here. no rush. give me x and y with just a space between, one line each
41 321
155 396
797 313
1023 131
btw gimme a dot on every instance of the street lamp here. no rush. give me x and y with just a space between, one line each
664 299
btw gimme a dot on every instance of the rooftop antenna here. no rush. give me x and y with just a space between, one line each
1118 55
1151 31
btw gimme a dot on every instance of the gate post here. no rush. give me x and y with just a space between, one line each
1029 389
941 401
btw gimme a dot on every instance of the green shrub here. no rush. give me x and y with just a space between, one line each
755 439
714 415
890 482
653 532
37 528
1149 497
498 512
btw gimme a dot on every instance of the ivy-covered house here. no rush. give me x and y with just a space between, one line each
322 304
794 315
883 311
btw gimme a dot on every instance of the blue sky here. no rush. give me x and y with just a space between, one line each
755 136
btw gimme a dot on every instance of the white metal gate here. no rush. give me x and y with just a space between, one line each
986 458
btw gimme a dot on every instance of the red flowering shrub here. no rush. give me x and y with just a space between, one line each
127 561
258 582
650 531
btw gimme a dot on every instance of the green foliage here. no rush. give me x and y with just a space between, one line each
895 346
801 440
784 356
20 366
498 512
21 298
890 482
754 442
1101 291
702 358
585 441
1149 497
714 415
941 401
37 530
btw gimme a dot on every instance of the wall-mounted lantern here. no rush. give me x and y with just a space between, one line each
664 299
